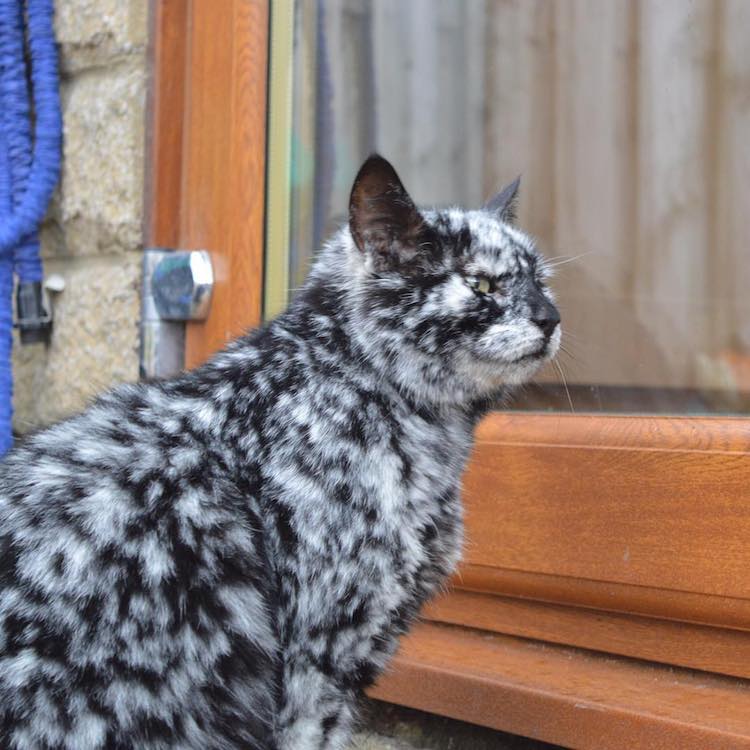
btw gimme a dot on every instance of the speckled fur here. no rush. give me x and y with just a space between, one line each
226 559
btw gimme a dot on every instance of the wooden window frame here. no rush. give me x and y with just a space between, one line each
603 601
206 172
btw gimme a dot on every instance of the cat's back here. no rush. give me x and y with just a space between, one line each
134 585
110 470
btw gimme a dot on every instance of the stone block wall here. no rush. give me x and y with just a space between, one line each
92 235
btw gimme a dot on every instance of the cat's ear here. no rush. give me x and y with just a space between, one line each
504 204
382 217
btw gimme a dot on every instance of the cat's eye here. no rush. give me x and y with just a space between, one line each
480 284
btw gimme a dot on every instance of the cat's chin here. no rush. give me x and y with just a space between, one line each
521 372
524 368
494 373
523 363
487 376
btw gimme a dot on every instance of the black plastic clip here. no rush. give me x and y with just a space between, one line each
33 321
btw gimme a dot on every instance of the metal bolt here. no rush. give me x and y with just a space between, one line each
181 284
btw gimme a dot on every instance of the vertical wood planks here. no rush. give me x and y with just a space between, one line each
593 172
732 184
675 150
626 119
521 108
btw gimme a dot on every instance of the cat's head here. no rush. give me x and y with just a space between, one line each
455 301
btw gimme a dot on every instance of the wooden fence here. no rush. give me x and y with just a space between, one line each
629 121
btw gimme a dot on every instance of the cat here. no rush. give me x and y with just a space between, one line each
226 559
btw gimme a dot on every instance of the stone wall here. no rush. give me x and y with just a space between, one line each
92 236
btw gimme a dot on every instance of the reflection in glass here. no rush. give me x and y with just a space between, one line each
629 124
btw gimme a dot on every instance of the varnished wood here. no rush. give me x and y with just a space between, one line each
691 434
567 696
696 646
645 502
208 142
724 611
623 535
165 122
224 162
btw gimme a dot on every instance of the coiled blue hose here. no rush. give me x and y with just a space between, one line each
29 168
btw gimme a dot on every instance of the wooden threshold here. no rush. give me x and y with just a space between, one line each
645 503
710 649
680 606
566 696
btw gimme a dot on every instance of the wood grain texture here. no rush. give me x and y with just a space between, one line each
682 606
567 696
698 647
164 132
620 535
224 163
691 434
645 502
206 184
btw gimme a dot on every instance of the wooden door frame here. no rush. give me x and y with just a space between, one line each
650 647
206 172
587 655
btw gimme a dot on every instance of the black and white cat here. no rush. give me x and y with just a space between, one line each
226 559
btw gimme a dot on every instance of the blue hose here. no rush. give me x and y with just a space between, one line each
6 305
29 170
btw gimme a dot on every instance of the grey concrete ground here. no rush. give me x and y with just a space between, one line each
389 727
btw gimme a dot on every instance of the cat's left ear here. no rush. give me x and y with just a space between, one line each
504 204
383 219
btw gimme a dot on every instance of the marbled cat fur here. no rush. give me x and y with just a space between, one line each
226 559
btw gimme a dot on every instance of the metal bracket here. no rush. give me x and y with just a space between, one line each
177 287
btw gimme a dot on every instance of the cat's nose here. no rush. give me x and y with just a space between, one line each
547 318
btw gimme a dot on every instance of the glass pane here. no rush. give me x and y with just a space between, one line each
629 123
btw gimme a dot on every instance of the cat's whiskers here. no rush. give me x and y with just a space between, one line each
572 337
561 260
566 351
559 369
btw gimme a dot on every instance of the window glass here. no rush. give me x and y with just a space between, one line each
629 123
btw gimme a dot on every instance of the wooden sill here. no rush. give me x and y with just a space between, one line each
618 542
567 696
